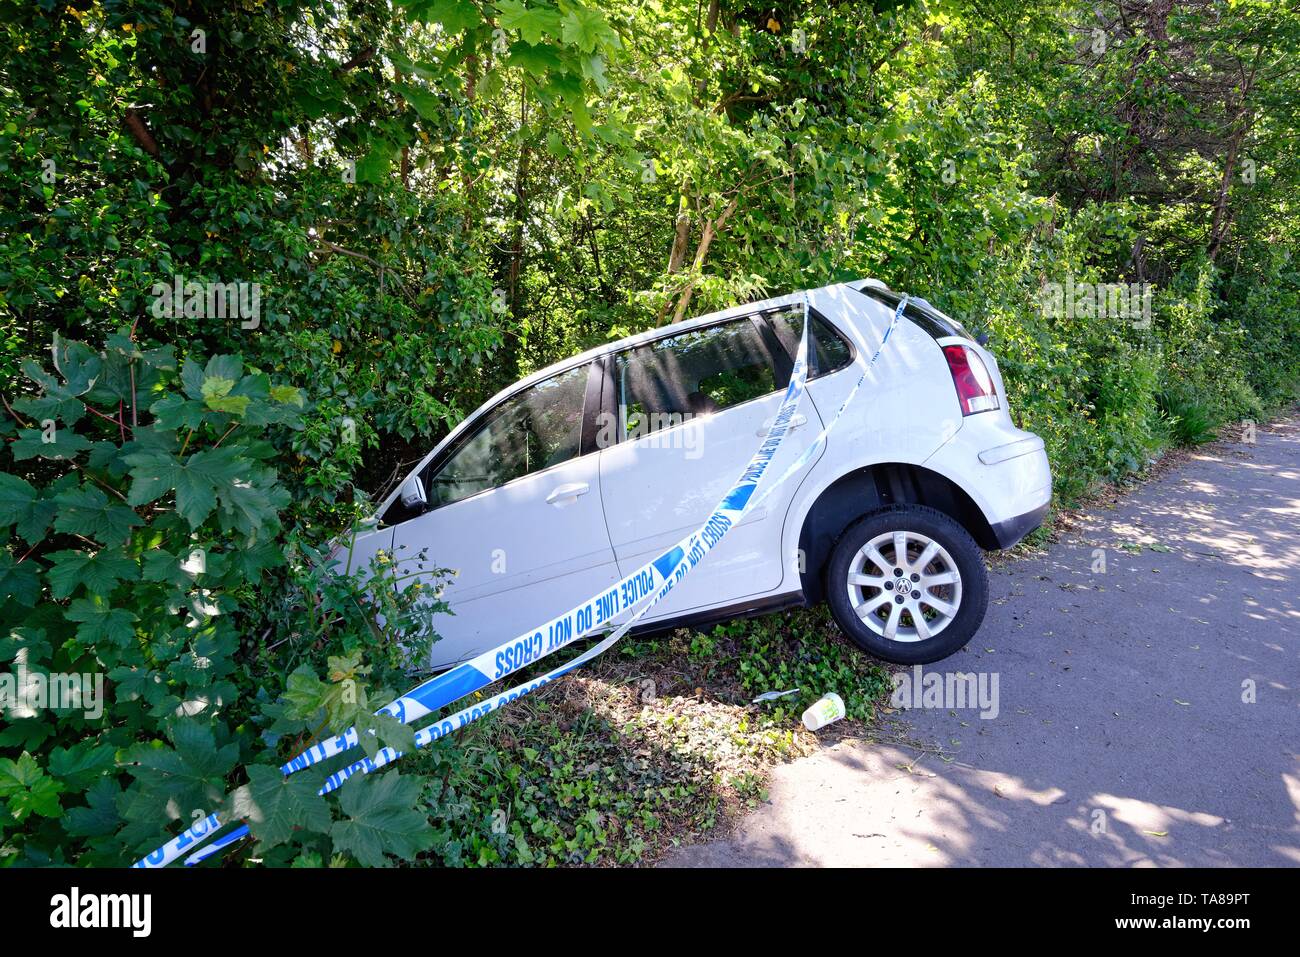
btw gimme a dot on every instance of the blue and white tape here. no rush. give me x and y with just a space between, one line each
691 557
644 587
188 839
217 845
815 445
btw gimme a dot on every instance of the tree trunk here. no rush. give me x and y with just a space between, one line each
466 180
520 216
711 229
1222 218
681 236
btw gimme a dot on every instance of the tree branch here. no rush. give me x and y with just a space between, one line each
361 59
136 127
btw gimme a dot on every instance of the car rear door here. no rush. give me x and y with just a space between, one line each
689 411
515 508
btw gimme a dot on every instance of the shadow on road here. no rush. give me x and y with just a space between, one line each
1148 715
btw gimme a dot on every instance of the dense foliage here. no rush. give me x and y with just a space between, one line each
427 198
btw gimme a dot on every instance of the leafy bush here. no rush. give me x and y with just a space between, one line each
145 526
1192 421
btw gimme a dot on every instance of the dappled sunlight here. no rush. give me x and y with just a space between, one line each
967 809
1292 783
1149 667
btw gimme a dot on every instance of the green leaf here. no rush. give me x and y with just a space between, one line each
131 683
373 167
31 527
274 806
193 772
30 639
16 498
304 693
82 764
236 405
217 397
287 394
99 572
176 411
250 507
162 566
388 732
56 400
223 367
531 22
64 444
86 511
538 60
423 101
101 623
79 365
100 817
456 16
586 29
21 580
251 560
197 480
381 819
27 790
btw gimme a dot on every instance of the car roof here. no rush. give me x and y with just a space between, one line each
663 332
650 335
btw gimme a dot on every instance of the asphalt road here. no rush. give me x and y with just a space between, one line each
1125 733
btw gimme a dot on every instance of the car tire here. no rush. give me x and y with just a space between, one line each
877 599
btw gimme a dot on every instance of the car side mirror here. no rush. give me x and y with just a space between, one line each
413 495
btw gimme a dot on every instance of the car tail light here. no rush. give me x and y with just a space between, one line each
975 389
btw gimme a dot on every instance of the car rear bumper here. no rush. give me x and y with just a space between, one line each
1012 530
1025 470
1004 470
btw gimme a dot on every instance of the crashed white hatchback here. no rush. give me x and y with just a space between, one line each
568 480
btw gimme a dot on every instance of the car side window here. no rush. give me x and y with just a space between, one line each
830 350
693 373
534 430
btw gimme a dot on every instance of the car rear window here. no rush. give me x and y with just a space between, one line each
936 324
830 350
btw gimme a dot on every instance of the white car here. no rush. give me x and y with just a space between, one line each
571 478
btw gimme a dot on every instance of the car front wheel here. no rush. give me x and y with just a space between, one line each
908 584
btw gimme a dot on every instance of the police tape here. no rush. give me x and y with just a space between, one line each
656 578
815 445
691 555
458 720
652 581
217 845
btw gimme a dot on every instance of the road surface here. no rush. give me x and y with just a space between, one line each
1148 709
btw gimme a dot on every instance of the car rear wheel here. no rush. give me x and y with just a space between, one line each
908 584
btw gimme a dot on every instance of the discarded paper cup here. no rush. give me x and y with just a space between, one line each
823 711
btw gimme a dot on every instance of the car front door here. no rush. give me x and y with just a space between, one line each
515 508
692 409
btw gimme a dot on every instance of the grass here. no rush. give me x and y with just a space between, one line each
654 745
1191 421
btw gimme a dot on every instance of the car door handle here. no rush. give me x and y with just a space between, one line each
795 422
566 493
